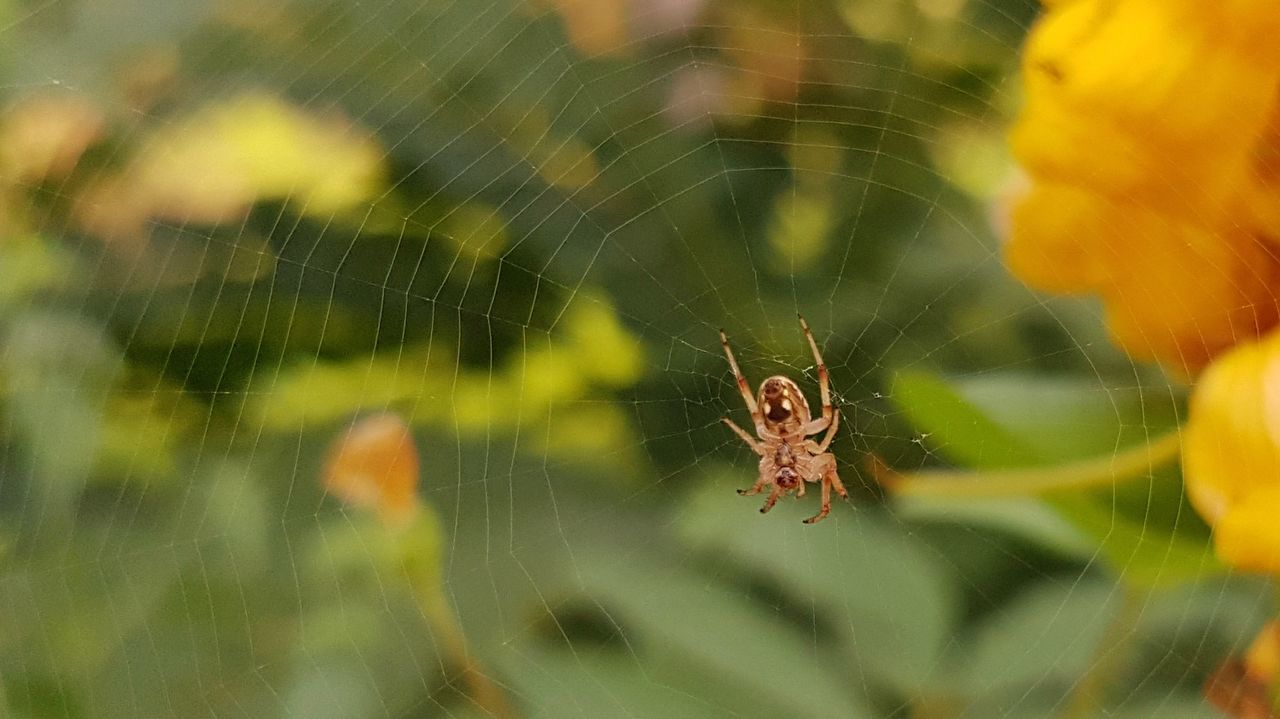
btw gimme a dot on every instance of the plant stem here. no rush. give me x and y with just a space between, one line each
420 562
1125 465
444 625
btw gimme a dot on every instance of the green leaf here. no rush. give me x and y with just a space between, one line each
59 367
1145 529
1179 705
1023 517
954 426
334 691
889 597
698 631
554 683
1047 634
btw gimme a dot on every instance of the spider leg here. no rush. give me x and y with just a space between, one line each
831 432
826 502
838 485
830 480
744 388
755 446
824 381
772 500
815 426
760 484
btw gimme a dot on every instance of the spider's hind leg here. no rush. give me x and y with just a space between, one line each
826 504
772 500
830 480
761 481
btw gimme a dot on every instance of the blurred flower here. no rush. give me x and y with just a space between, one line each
937 35
607 27
767 61
149 77
551 386
661 17
695 97
563 161
30 264
804 215
375 464
1241 687
595 27
602 348
1263 659
771 56
210 167
1231 454
1148 134
478 230
799 228
43 136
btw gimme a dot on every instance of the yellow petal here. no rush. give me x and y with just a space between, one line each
1055 238
1248 536
1147 99
1231 447
1182 294
1262 661
1175 291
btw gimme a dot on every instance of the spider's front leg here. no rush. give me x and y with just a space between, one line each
755 446
824 386
743 388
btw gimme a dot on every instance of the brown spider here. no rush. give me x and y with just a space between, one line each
788 458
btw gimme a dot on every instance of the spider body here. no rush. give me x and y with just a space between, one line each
784 425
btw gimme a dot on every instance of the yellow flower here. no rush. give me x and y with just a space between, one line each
1231 454
1149 132
212 165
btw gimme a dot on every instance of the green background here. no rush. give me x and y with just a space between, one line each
166 548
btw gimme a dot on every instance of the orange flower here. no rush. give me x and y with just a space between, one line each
1150 135
1241 687
375 464
42 137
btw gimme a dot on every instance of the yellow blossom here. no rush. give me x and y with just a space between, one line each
211 166
1147 131
1262 661
595 27
1231 454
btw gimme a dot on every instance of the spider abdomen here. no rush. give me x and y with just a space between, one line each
783 405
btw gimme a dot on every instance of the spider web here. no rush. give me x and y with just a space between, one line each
570 200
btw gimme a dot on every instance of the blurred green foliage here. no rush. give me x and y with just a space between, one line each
539 230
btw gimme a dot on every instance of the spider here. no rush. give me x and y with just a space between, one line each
788 458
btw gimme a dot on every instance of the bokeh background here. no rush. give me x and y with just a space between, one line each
234 233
